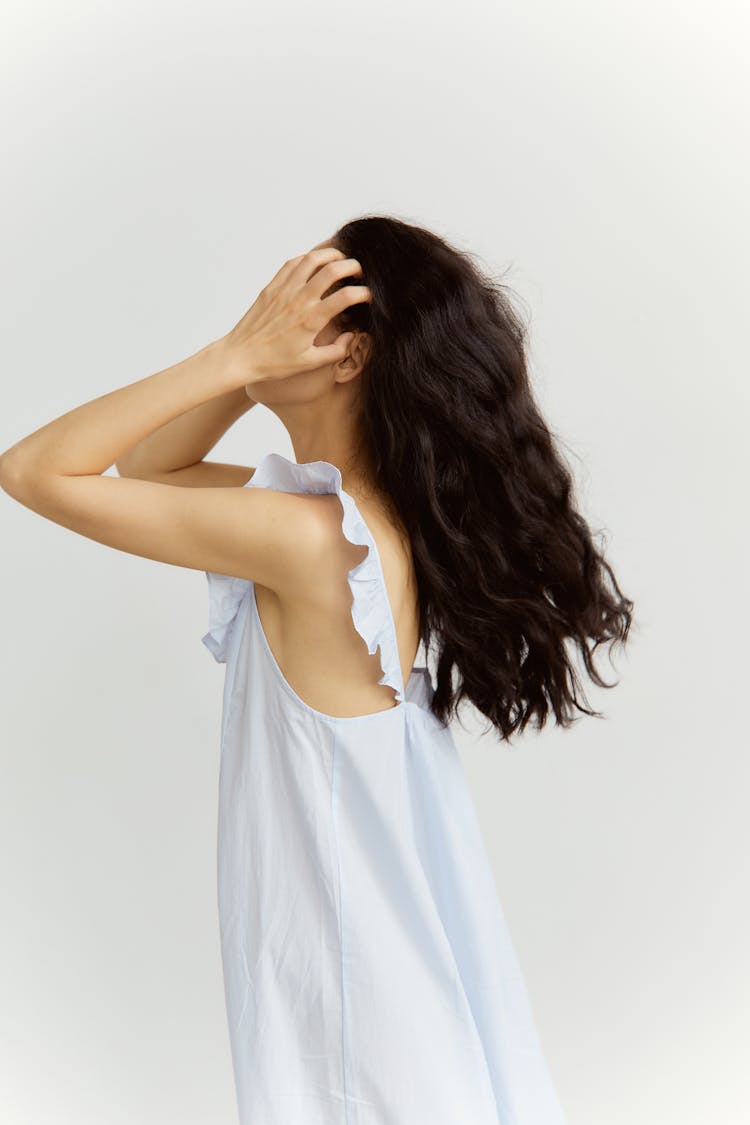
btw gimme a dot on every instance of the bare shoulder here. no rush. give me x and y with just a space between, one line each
291 542
329 555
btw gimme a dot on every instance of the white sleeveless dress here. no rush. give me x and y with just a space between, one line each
370 978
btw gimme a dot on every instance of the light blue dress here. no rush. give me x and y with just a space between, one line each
370 978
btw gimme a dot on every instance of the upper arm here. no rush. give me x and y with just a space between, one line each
268 536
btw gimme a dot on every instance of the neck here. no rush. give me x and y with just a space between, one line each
339 445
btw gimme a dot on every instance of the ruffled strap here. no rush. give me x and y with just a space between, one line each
371 611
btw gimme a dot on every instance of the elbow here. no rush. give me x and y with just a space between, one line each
13 473
22 477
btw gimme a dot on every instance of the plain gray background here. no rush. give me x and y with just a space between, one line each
161 162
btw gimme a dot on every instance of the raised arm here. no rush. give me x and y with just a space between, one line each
174 454
260 534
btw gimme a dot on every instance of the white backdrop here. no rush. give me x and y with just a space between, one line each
162 161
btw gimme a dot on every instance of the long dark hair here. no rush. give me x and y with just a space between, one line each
507 570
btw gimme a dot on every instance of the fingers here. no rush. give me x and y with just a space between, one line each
341 299
307 264
320 354
306 277
330 274
295 271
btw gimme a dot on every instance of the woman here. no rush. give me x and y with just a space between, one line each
369 972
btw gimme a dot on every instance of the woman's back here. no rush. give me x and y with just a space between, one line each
310 630
369 973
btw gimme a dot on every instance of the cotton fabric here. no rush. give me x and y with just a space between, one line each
370 977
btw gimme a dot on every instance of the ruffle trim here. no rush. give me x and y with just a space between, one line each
225 596
370 610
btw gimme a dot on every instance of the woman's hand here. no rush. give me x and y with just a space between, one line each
274 339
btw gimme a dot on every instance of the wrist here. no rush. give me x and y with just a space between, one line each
234 369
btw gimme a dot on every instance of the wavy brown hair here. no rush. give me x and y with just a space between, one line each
510 580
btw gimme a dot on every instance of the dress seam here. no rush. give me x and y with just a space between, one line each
345 1057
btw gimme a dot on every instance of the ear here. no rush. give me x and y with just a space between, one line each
354 360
